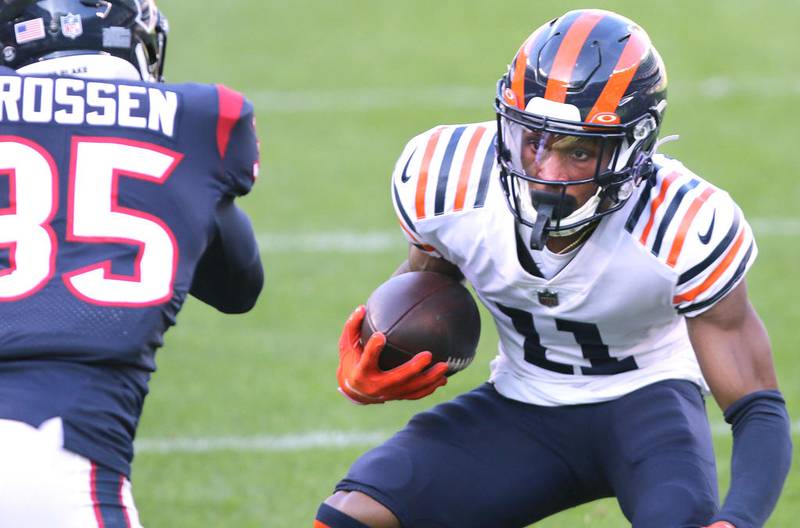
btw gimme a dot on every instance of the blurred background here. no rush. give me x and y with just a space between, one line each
243 426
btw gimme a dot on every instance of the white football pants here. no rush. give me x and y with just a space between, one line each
44 486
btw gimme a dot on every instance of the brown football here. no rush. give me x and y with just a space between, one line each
423 310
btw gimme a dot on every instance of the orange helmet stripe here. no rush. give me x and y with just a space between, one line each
521 64
677 245
632 55
422 183
567 55
466 167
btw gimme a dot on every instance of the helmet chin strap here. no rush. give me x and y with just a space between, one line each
585 211
549 206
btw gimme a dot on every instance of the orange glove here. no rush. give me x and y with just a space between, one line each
720 524
363 382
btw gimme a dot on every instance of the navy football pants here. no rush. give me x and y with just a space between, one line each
485 461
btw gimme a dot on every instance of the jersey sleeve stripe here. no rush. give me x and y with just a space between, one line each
656 204
422 182
680 237
633 219
737 276
404 218
230 109
466 168
712 278
486 170
415 242
444 170
721 247
674 204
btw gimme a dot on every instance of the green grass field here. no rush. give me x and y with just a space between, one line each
227 434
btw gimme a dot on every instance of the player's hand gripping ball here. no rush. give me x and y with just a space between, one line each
423 311
421 326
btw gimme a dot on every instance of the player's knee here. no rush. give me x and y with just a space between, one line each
673 505
352 509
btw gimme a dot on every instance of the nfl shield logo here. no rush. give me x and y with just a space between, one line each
548 298
71 26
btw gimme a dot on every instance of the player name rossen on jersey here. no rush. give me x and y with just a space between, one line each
71 101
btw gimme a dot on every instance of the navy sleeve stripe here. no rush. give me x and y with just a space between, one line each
444 171
721 247
486 170
725 289
402 211
633 219
670 214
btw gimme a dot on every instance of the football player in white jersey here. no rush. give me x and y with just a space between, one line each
615 277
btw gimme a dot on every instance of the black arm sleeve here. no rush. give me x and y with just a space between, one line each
229 276
762 454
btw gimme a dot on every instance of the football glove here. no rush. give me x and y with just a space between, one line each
363 382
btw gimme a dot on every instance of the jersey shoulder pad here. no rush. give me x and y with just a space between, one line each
444 170
237 139
230 118
696 230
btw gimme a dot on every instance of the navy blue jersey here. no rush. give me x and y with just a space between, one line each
108 197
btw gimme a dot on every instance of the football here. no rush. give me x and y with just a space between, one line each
423 310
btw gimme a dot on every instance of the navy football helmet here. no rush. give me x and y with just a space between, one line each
39 30
589 77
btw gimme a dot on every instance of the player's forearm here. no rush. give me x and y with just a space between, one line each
230 276
762 452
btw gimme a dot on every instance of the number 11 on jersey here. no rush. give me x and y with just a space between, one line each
587 336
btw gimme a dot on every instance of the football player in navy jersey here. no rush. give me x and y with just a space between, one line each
615 278
117 200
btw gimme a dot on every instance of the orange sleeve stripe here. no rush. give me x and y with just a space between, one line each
466 168
656 204
416 241
632 55
724 265
409 233
677 244
567 55
422 183
320 524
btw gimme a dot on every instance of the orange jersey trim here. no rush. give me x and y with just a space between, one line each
632 55
567 55
466 168
724 265
677 244
422 183
409 233
416 241
320 524
656 204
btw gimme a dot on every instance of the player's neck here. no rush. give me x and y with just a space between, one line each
568 243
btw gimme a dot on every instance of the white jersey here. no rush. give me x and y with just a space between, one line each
612 320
